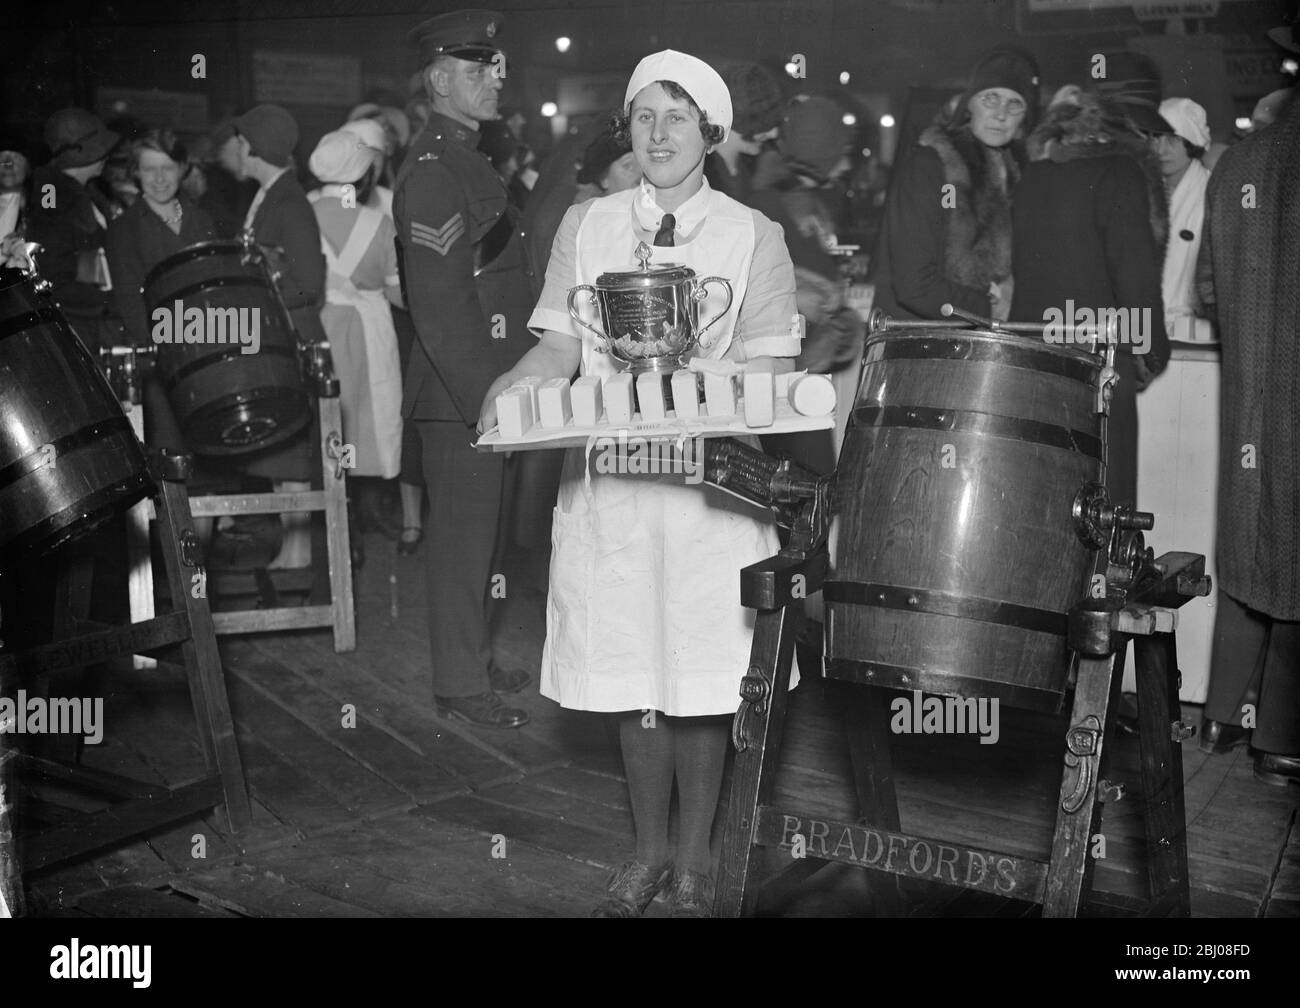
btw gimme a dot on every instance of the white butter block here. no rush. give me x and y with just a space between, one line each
514 412
587 401
618 398
784 380
720 394
532 383
554 404
650 396
813 395
686 395
760 397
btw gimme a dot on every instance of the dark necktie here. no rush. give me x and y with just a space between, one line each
664 236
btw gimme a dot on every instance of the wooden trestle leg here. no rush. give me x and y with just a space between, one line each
866 718
1161 734
202 661
757 738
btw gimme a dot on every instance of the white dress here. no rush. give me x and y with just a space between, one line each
644 610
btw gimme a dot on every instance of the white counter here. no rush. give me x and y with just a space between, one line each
1178 458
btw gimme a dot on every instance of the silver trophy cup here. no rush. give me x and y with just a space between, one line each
650 316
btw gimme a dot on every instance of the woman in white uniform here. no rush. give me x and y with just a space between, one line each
1181 155
643 613
361 285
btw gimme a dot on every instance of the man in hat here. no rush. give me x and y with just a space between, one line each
1181 153
1246 274
281 218
466 282
66 218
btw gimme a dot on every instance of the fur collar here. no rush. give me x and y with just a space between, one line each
977 248
1095 128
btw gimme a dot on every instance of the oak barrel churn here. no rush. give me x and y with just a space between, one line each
68 455
954 553
228 401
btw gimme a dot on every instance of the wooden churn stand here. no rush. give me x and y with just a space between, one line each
1139 603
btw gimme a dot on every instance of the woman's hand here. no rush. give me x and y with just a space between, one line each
555 356
487 417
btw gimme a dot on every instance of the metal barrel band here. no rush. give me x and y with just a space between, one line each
234 351
954 347
987 424
940 603
211 283
27 320
80 438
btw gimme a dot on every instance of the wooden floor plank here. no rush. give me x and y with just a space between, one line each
138 901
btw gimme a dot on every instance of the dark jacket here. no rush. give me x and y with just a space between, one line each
941 245
1090 222
138 241
1249 263
61 218
464 270
286 224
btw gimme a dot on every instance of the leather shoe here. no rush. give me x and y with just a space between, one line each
1277 769
484 711
630 889
1218 737
508 680
691 894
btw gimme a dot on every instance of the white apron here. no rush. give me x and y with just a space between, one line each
1178 281
367 362
644 611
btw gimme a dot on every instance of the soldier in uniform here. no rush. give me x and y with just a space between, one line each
465 278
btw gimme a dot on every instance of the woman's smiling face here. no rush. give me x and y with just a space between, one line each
666 137
160 176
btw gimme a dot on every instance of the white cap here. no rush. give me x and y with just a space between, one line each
340 157
704 84
1188 120
370 132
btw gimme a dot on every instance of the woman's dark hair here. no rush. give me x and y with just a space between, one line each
161 140
1194 152
620 121
365 185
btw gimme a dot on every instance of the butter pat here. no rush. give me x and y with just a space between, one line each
813 395
514 413
720 394
618 398
587 401
650 394
555 406
532 384
686 395
760 397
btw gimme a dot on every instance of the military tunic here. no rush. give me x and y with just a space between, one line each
465 279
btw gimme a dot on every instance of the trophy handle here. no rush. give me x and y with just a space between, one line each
573 313
700 294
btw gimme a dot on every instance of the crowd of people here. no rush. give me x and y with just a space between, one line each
434 253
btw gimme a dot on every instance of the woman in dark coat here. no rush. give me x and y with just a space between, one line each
1089 227
947 229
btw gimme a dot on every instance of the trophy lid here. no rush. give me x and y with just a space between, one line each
664 275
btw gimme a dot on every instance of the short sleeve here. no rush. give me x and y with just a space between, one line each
552 311
767 325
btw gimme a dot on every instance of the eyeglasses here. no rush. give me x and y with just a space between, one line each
995 103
